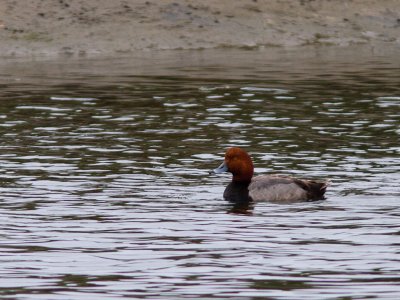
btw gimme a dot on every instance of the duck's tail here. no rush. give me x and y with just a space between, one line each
317 189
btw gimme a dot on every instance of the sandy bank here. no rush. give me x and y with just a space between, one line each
77 27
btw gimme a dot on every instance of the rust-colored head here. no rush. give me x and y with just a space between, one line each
239 163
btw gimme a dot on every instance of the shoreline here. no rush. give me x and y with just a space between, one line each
101 27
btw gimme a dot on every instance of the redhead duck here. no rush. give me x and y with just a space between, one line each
277 188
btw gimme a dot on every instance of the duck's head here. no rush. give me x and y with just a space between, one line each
237 162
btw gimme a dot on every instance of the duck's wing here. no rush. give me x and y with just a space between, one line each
282 188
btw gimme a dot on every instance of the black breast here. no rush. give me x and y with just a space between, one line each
237 192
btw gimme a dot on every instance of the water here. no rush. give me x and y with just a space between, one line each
105 191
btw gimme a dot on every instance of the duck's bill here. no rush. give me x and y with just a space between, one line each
221 169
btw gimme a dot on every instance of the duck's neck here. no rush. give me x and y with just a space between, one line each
244 176
241 181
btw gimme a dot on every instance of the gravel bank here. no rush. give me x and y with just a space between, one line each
85 27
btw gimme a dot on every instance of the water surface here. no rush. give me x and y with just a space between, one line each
105 191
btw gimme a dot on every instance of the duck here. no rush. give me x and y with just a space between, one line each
244 187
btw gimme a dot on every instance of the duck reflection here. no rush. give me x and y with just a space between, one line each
244 207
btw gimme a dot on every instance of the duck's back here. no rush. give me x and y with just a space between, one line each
285 189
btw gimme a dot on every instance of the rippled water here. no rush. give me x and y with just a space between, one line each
105 191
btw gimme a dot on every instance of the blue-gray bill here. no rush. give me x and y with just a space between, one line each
221 169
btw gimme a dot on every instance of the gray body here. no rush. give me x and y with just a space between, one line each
276 188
